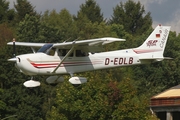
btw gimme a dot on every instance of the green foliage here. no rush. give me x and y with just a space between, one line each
132 16
90 10
6 34
57 27
23 102
89 30
24 7
3 8
28 29
99 99
2 104
6 14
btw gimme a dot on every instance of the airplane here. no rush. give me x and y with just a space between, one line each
57 59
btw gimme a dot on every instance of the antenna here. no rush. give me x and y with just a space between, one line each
67 40
77 39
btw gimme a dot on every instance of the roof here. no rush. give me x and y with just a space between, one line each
173 92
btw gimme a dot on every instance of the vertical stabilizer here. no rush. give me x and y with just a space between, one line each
154 45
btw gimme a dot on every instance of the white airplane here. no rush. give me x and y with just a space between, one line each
56 59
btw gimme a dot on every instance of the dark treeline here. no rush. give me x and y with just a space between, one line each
114 94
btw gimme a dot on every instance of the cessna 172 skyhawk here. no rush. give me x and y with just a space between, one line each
78 56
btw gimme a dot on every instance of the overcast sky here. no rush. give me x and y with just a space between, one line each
165 12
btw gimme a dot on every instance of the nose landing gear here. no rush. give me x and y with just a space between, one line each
31 83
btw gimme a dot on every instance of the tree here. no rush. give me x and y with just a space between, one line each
6 14
21 101
58 27
6 34
132 16
2 104
28 29
90 10
88 30
100 99
24 7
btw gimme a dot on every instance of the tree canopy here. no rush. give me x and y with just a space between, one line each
6 14
91 10
24 7
133 16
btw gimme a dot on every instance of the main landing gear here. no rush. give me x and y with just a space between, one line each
53 80
31 83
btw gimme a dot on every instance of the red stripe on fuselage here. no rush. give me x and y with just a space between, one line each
53 65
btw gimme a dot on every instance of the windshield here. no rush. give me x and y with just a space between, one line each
46 48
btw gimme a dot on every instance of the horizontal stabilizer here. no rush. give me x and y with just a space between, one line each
168 58
150 60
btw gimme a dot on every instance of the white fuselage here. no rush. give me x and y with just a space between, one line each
43 64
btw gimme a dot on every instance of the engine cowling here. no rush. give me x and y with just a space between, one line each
54 79
77 80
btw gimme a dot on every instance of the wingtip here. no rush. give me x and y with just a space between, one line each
9 43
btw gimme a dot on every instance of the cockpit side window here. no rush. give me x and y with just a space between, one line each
75 53
80 53
63 52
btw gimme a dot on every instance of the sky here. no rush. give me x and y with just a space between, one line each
165 12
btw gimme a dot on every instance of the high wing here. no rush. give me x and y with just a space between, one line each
91 45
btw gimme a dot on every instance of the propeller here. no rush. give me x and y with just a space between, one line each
14 48
14 52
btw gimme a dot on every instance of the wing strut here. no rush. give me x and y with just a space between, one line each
69 52
33 50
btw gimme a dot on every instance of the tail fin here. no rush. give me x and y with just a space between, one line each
153 47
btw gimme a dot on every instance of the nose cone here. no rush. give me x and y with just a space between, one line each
23 62
12 59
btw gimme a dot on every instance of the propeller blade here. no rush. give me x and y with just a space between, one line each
14 47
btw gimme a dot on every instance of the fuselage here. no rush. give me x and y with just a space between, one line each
43 64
